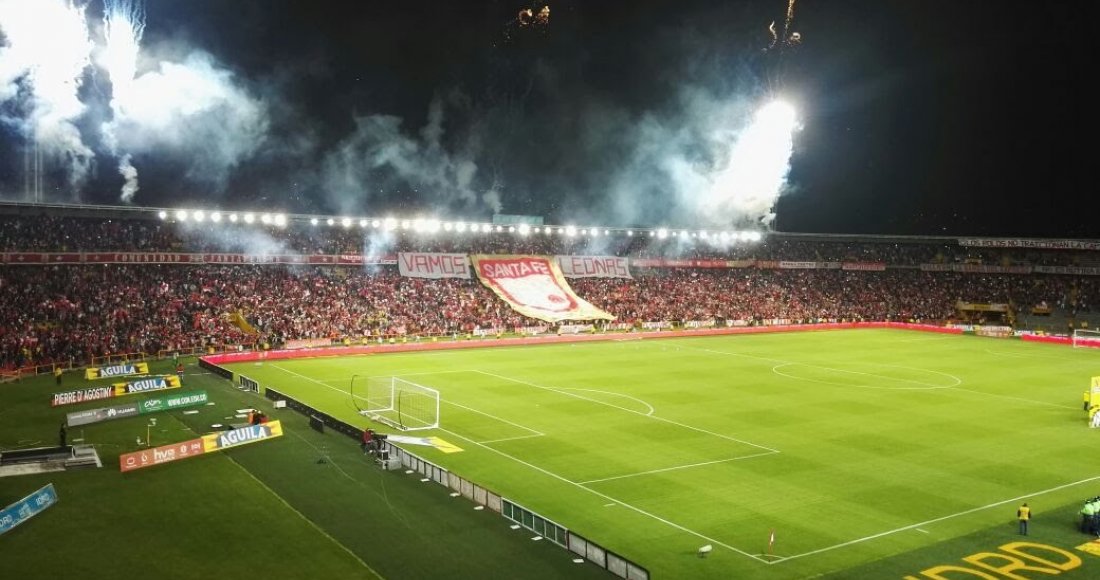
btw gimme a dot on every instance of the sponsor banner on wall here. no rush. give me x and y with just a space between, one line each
1026 243
82 396
864 266
433 265
116 371
171 402
242 436
147 385
195 447
785 265
89 416
976 307
160 455
534 286
594 266
27 508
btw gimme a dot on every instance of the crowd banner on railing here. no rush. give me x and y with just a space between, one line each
864 266
594 266
432 265
117 371
1069 270
27 508
662 263
976 268
1030 244
534 286
76 258
115 390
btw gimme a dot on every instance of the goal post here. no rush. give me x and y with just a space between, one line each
396 402
1083 338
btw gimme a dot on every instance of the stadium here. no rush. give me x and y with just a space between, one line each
313 347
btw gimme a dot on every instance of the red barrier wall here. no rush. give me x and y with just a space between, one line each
1047 339
249 356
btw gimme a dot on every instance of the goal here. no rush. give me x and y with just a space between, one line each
1086 338
396 402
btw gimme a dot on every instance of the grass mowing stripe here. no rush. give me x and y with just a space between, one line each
307 520
940 519
654 417
563 479
608 497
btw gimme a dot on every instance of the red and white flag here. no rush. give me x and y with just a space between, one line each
771 540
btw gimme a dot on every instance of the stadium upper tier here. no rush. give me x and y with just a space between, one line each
53 232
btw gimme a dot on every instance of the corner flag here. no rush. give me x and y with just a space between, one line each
771 541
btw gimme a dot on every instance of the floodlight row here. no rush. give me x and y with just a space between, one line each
421 225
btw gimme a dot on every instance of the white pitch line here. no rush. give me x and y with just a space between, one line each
607 497
503 439
677 467
923 531
940 519
654 417
614 394
1021 399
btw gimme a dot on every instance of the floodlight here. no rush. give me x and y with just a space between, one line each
362 223
606 232
500 229
511 229
460 227
181 215
570 231
198 215
312 221
249 218
330 222
630 233
755 236
375 224
233 217
405 224
216 217
162 214
661 233
524 229
391 223
432 225
486 228
346 222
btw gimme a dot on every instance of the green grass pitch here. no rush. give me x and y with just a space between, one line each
853 446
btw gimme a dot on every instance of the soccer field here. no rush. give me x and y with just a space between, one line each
851 445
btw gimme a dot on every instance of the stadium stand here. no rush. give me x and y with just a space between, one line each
74 313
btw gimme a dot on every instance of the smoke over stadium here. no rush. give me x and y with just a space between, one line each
120 104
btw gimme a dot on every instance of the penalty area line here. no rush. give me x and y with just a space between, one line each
677 467
919 525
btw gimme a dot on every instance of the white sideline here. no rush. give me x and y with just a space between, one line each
677 467
939 519
607 497
503 439
654 417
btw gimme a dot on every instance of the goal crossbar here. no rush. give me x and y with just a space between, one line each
396 402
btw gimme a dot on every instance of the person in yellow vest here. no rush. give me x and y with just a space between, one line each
57 374
1024 515
1087 401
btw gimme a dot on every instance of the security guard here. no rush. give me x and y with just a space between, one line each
1024 515
1088 511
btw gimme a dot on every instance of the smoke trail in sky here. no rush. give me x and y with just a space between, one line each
379 154
41 70
123 27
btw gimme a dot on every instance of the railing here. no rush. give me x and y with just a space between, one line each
557 534
113 358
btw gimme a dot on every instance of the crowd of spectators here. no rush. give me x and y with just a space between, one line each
90 234
74 313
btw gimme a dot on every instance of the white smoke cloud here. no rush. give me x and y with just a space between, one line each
130 175
42 66
715 162
445 177
193 110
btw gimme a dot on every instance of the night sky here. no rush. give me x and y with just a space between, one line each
918 116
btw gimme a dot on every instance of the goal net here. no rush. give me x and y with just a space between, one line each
396 402
1086 338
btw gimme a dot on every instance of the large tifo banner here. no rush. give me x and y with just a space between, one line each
27 508
151 405
534 286
115 390
116 371
195 447
430 265
594 266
